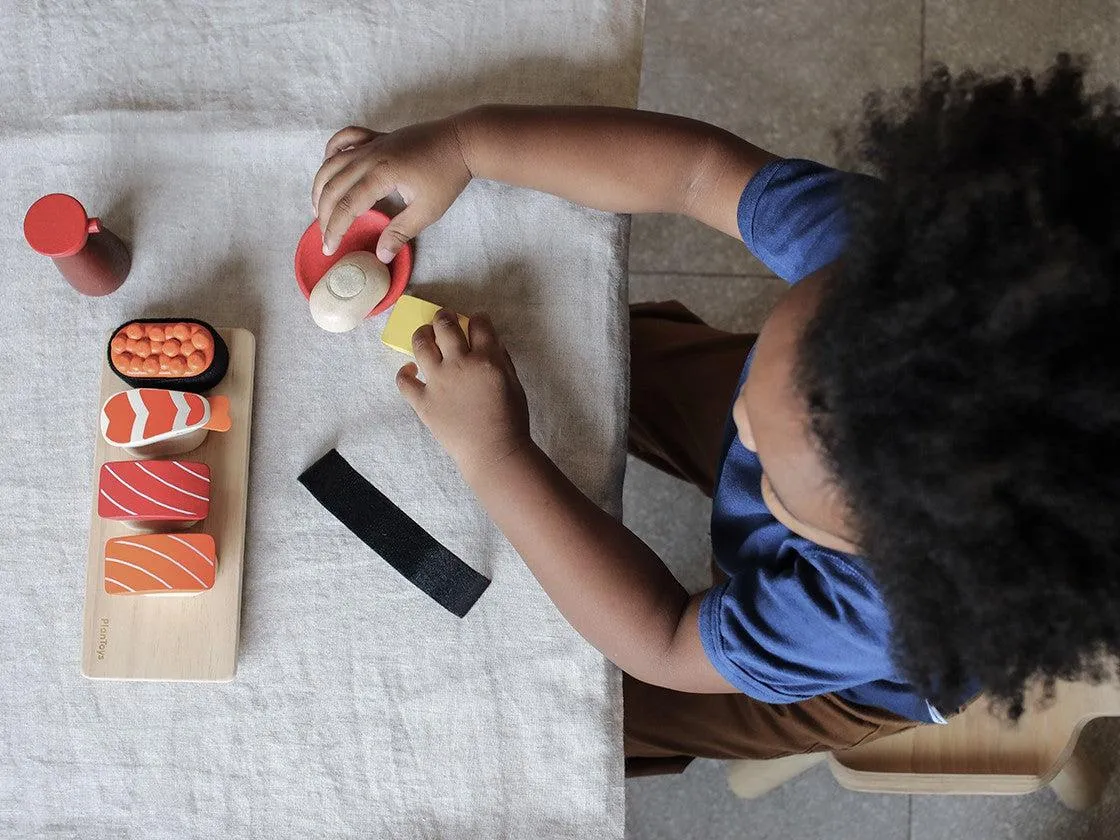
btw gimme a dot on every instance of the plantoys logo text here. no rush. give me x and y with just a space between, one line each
102 638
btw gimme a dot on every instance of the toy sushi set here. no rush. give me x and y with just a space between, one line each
163 583
167 532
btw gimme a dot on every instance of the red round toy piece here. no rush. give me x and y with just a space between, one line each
57 225
312 263
92 259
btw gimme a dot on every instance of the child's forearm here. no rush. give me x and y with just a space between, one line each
613 158
605 581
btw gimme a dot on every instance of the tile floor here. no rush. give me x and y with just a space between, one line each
786 74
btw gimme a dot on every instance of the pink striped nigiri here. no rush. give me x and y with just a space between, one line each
153 491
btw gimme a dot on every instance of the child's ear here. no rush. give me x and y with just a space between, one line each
743 423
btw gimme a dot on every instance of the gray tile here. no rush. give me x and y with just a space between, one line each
729 302
682 540
782 73
1037 816
699 804
1013 33
678 243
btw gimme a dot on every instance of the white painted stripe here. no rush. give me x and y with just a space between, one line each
173 486
183 410
166 557
136 400
113 501
185 468
139 569
183 542
118 583
109 470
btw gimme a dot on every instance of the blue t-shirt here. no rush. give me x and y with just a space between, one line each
795 619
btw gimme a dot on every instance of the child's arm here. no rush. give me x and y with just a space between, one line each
607 158
615 159
605 581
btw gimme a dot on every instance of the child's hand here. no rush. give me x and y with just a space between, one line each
471 400
423 162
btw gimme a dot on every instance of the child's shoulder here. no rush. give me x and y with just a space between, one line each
791 216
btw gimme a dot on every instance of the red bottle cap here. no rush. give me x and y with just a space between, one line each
57 226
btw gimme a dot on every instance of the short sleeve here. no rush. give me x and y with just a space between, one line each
791 216
806 625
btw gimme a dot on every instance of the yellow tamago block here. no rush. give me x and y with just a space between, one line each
408 315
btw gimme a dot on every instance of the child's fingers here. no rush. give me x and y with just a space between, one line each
326 173
411 388
449 335
482 332
336 188
352 135
339 207
404 227
484 339
426 350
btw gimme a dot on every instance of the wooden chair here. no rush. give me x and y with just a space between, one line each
975 752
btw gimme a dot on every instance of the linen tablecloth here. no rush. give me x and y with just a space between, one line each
360 708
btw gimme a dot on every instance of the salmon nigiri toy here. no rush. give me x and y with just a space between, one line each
155 421
160 564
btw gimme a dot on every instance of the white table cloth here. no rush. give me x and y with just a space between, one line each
360 708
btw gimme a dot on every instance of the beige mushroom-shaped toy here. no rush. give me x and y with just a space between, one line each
348 291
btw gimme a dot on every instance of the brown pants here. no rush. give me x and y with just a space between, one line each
683 375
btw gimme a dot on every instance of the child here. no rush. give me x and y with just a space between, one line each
915 496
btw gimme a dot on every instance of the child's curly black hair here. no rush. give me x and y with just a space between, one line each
963 377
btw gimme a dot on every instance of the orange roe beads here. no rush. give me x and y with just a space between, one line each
163 350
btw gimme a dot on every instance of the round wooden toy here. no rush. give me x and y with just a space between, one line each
312 263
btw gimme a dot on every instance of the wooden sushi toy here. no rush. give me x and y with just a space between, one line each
183 355
154 494
158 421
129 632
160 564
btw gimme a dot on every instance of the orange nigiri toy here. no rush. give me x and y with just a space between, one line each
155 421
164 564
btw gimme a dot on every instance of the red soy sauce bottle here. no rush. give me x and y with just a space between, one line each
93 259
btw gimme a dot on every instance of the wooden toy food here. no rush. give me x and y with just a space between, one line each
155 421
160 564
362 235
92 258
184 354
165 492
408 315
349 290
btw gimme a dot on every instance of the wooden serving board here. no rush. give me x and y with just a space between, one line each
178 637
